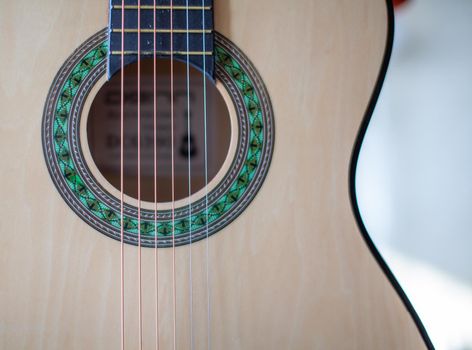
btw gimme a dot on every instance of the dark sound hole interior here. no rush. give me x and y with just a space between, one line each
103 131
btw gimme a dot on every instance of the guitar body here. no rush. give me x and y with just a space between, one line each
291 272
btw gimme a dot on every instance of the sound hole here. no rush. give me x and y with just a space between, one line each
103 131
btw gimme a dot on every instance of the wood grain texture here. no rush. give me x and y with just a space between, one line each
292 272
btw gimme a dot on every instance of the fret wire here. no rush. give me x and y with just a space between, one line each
144 30
162 7
191 53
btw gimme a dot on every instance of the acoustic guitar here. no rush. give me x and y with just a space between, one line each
179 174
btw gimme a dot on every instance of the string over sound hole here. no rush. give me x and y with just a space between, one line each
103 131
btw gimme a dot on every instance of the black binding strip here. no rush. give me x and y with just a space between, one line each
352 178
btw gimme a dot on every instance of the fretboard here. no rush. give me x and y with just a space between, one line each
199 32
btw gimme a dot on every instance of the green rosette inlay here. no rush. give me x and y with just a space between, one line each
198 220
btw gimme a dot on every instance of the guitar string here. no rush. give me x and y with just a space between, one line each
155 178
156 253
207 244
189 181
140 301
122 283
174 296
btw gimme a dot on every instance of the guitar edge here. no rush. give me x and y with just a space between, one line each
352 176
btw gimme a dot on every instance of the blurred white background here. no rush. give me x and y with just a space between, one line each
414 179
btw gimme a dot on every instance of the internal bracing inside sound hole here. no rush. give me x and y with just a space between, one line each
103 131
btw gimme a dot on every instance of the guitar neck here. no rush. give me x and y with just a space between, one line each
169 28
